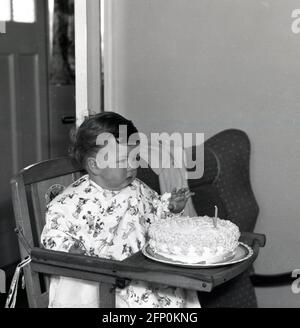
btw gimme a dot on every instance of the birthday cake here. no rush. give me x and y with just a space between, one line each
194 240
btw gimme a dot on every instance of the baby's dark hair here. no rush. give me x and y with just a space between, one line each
85 139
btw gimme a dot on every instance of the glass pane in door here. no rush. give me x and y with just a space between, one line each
5 10
24 11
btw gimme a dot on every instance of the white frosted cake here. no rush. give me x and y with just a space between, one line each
194 240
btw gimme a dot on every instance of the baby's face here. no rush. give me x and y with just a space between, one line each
120 173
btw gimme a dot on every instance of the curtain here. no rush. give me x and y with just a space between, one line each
62 70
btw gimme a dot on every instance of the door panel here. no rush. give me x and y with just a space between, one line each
30 110
24 126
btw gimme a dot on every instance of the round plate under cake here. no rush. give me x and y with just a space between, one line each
242 253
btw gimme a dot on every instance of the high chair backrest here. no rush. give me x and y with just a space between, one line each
30 194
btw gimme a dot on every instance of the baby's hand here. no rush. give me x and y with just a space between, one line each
179 199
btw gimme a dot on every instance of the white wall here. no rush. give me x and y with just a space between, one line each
209 65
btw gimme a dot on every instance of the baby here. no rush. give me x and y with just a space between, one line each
106 214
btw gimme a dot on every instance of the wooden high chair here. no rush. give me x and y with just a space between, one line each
31 190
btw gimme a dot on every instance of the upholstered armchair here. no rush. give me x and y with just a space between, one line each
226 184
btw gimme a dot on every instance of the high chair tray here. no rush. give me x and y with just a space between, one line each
139 267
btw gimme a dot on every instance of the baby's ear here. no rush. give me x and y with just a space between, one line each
91 164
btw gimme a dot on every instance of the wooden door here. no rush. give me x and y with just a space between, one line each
24 126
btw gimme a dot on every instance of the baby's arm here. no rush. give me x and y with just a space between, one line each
165 206
60 233
173 203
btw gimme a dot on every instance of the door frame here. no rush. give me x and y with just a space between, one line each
88 55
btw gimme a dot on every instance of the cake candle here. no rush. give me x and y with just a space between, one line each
215 219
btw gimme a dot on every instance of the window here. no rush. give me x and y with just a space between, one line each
19 11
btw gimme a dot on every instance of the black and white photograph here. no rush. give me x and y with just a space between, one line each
149 157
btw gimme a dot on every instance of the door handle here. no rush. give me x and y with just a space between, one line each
68 120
